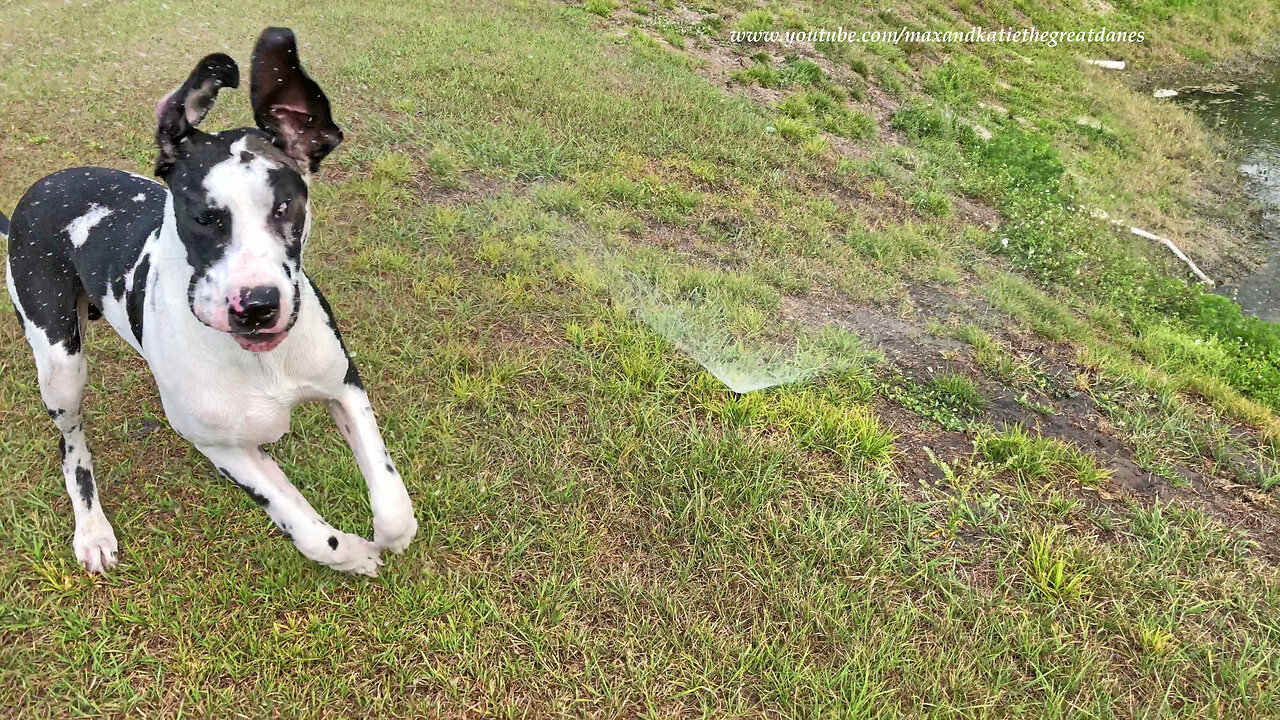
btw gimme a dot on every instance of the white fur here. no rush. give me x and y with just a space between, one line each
214 391
78 229
393 522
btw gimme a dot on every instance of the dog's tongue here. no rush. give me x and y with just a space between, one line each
260 344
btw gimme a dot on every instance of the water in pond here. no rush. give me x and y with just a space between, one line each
1250 115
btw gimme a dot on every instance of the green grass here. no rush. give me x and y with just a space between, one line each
603 8
1034 459
756 21
545 217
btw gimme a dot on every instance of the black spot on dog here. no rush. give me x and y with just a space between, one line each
117 287
84 482
203 229
54 414
289 209
352 377
333 543
72 342
62 447
391 468
138 296
254 495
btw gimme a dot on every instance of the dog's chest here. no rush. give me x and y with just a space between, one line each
239 404
215 393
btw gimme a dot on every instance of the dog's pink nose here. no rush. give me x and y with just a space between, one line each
255 309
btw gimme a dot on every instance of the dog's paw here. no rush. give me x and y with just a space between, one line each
95 545
395 533
352 554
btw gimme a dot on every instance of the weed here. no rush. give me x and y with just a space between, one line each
959 393
931 204
1050 571
852 434
794 130
563 199
958 82
444 168
759 74
1034 406
756 21
603 8
920 121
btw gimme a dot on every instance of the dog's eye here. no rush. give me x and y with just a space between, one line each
282 208
209 217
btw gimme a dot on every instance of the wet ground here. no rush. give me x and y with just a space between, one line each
1249 114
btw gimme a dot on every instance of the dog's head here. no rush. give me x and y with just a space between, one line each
240 196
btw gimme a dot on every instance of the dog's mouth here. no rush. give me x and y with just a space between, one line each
257 341
260 342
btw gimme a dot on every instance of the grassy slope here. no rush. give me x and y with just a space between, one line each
605 528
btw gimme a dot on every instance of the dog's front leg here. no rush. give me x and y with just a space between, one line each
393 522
259 476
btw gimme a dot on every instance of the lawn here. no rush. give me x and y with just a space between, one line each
998 459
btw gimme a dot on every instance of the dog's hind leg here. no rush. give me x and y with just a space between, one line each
49 310
259 476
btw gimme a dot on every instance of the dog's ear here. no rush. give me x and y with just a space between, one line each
287 103
178 113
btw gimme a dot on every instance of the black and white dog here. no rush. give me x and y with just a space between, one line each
204 279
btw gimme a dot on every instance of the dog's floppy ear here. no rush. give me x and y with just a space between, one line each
287 103
178 113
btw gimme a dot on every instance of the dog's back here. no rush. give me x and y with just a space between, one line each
76 234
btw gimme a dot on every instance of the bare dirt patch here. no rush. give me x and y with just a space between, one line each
1074 418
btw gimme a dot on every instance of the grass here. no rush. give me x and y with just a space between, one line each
950 401
546 219
1050 573
1033 459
